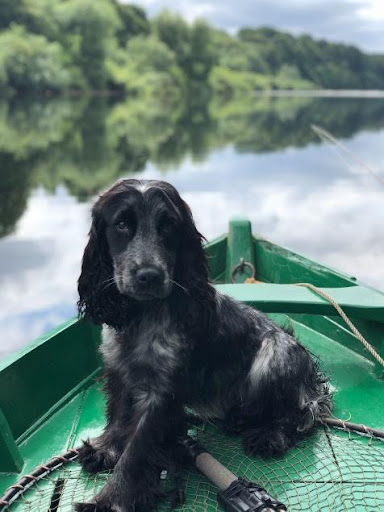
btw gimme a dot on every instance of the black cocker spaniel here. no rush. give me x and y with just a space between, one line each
170 340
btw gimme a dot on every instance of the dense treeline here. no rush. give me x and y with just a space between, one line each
56 45
326 64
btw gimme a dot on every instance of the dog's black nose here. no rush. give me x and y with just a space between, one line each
149 276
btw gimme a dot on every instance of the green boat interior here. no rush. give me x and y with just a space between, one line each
51 398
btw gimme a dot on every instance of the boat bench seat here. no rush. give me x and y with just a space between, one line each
357 301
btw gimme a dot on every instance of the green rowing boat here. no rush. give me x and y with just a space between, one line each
51 399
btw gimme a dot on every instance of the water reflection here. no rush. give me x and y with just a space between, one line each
256 157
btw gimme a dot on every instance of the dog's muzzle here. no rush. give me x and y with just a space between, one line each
150 282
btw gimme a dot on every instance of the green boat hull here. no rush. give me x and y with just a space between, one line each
50 398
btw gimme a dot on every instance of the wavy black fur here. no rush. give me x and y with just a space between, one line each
170 341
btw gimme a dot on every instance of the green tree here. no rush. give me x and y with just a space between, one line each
290 72
90 27
40 18
134 22
29 62
229 51
146 67
149 54
193 45
15 186
201 56
86 44
11 11
174 32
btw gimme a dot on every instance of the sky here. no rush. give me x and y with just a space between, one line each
357 22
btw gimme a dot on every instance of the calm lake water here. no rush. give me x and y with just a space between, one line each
255 157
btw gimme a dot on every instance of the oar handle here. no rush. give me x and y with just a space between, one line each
215 471
235 494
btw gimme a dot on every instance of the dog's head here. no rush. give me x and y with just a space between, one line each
143 243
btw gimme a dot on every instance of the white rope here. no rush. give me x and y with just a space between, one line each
355 331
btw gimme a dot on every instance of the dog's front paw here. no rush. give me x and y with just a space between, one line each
266 442
92 507
94 459
116 502
142 502
176 497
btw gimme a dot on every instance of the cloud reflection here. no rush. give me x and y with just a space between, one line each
301 198
42 293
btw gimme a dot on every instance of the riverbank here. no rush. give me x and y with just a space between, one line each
323 93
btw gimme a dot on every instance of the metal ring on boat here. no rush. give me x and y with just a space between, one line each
240 266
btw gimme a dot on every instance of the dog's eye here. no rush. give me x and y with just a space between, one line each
166 226
122 226
126 223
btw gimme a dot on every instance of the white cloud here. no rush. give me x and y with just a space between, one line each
198 10
356 22
304 199
372 10
335 224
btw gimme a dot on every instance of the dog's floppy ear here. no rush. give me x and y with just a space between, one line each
99 299
192 266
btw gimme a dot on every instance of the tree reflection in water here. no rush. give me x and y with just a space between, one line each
226 158
87 143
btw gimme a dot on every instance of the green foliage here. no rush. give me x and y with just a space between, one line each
40 18
149 54
88 143
90 26
133 22
174 32
193 45
29 62
201 54
146 67
326 64
15 186
30 132
11 11
229 83
289 72
110 45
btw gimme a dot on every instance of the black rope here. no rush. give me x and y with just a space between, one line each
16 490
360 429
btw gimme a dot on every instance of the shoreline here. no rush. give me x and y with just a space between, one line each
322 93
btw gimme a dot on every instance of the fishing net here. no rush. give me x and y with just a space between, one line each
329 471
